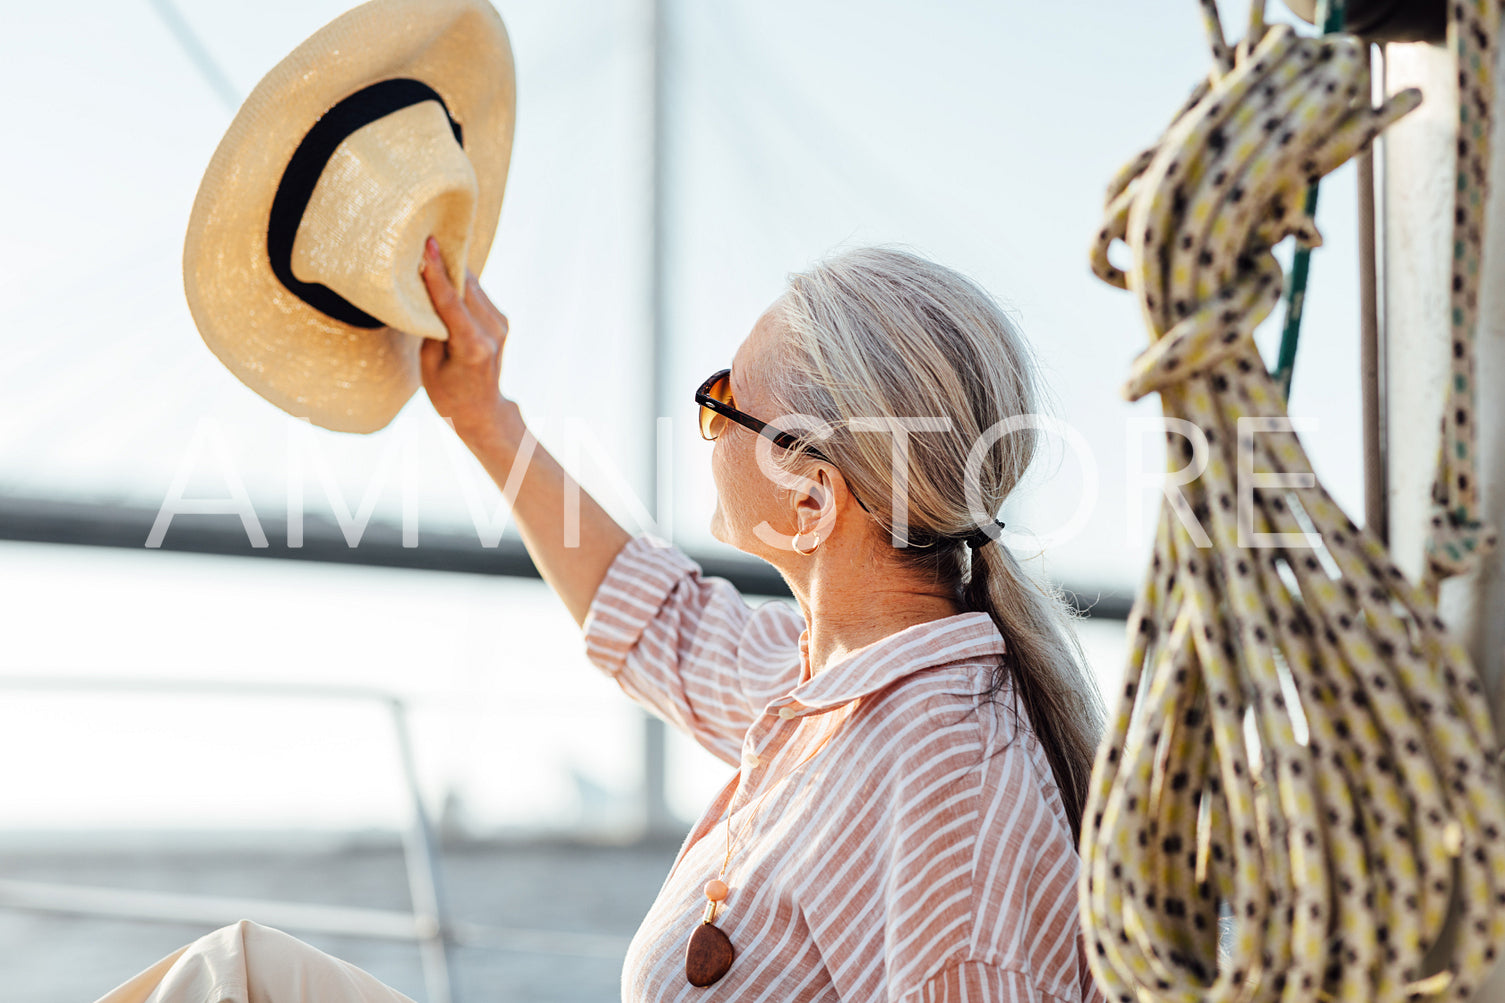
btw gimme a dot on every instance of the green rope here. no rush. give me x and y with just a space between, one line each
1330 15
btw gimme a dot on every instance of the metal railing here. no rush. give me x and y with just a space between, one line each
428 924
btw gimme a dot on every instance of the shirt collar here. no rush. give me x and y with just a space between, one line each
867 670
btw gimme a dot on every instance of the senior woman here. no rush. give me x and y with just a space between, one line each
912 740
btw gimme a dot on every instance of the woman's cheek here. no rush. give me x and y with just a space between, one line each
721 525
735 511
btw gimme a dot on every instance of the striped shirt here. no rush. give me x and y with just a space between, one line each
891 840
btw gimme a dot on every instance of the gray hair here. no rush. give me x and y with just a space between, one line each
879 332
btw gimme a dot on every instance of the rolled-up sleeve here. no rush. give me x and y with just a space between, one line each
688 647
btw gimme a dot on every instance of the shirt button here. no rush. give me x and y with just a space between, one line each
752 759
788 713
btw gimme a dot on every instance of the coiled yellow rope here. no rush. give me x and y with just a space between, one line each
1300 743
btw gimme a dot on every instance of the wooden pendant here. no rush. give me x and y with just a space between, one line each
708 956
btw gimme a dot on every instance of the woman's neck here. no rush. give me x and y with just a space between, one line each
849 605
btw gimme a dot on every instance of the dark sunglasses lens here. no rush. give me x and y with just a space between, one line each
711 423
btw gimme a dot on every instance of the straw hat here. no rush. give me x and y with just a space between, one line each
393 122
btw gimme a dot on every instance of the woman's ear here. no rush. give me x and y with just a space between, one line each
815 507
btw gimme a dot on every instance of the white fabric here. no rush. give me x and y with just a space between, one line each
250 963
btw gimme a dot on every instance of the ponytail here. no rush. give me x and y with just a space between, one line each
877 331
1042 669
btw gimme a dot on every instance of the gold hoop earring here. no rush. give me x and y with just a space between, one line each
794 543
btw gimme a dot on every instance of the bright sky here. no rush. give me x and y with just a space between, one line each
981 132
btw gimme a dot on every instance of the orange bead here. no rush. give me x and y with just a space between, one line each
715 890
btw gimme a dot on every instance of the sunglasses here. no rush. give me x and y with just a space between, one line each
714 398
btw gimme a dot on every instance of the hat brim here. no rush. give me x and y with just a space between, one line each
338 376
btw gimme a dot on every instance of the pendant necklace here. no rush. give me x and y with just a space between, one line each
710 953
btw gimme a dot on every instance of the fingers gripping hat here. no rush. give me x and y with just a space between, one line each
391 123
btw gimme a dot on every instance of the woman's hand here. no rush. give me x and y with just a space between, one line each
463 375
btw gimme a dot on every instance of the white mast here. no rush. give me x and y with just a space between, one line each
1419 172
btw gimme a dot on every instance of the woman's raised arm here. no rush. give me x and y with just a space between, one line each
462 377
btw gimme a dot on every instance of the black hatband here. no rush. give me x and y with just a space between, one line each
302 174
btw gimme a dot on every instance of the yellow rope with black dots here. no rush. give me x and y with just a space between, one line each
1458 537
1300 743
